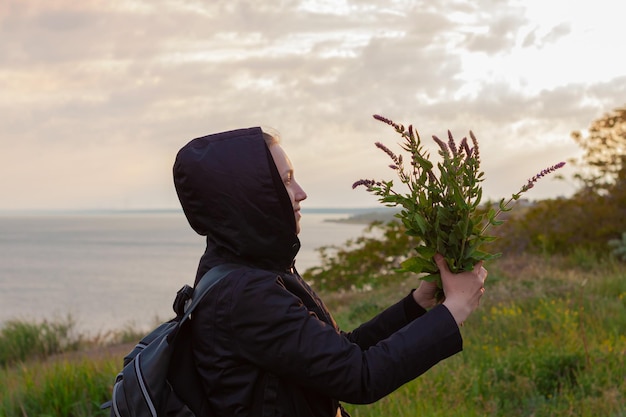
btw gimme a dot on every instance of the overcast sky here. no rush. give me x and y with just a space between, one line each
97 96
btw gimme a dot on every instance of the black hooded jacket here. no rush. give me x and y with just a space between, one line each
263 341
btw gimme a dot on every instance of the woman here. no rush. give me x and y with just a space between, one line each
263 341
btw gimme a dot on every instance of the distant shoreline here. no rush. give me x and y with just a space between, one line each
367 216
346 215
313 210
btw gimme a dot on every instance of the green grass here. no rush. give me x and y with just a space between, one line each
58 388
547 340
20 340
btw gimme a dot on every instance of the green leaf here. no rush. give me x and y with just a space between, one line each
425 252
458 196
485 256
417 265
503 206
491 256
424 163
432 278
479 196
421 223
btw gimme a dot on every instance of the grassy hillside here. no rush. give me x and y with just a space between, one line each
548 340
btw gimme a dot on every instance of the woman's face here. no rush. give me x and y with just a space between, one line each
285 169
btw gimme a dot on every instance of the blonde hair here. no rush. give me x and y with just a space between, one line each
271 136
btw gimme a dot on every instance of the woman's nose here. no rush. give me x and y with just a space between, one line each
300 194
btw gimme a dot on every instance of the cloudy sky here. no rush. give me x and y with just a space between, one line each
98 95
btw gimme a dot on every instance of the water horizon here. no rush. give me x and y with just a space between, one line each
111 268
112 211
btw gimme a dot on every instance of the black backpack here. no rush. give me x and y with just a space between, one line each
159 378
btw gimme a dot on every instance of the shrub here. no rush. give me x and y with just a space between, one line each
365 262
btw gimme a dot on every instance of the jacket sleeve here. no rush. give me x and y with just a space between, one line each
386 323
272 329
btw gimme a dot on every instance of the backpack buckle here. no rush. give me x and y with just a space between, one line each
182 298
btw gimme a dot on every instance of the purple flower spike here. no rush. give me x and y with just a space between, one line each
366 183
531 182
475 148
396 159
445 152
387 121
452 144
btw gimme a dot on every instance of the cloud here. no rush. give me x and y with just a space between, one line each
106 92
497 34
536 39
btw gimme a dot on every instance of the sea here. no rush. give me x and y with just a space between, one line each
113 270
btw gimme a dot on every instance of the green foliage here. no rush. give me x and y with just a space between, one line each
530 352
362 262
586 220
541 344
441 211
591 218
557 372
58 389
21 340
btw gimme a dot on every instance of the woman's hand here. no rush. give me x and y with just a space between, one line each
425 295
463 290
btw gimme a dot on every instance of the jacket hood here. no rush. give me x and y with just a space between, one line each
231 192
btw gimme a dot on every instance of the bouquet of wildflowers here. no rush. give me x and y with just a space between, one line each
443 211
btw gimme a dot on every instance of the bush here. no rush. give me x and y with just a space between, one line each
558 226
365 262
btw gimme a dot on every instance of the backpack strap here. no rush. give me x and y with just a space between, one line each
208 281
187 298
